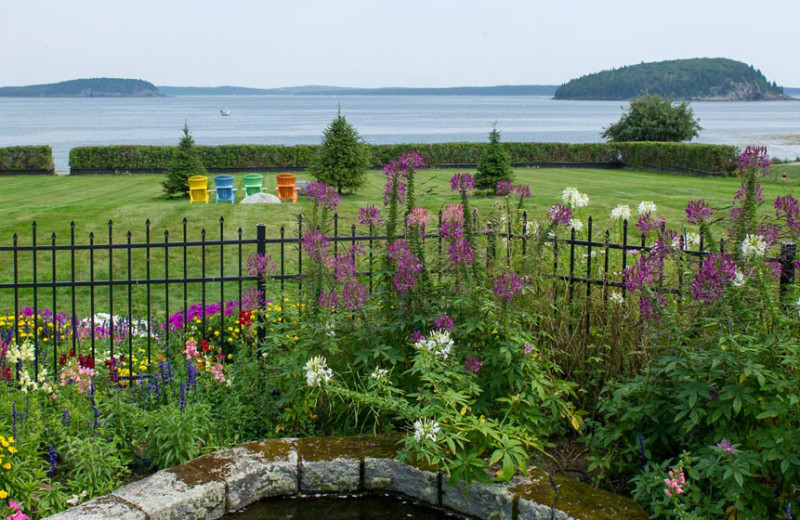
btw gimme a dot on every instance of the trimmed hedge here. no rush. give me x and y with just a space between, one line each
692 156
22 159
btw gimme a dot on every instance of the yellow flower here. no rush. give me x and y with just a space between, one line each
230 356
3 493
7 465
216 333
12 449
230 340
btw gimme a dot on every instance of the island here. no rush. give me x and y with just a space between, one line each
697 79
94 87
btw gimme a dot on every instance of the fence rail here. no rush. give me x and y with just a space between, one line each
51 283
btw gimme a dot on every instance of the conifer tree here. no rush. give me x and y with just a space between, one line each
494 164
343 159
185 163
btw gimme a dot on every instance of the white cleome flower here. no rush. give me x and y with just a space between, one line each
575 224
616 297
317 371
621 212
438 342
379 374
574 199
738 278
693 239
646 206
425 429
753 246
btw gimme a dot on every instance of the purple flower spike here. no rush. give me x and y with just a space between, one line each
443 322
259 265
410 161
463 183
727 447
755 158
316 244
698 211
507 285
716 272
369 215
504 187
472 364
461 252
559 213
523 191
323 195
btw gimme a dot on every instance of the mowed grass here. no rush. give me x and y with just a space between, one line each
90 202
129 200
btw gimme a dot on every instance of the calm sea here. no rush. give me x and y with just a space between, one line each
66 123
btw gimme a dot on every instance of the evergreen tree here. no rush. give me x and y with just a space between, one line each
343 159
494 164
185 163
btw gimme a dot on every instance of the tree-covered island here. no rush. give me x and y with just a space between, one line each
706 79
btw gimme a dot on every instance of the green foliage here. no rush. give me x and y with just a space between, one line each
174 436
185 163
94 465
703 157
683 79
494 164
24 158
653 118
342 159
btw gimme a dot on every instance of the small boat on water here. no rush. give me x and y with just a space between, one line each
225 112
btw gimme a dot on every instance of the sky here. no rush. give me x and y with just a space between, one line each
377 43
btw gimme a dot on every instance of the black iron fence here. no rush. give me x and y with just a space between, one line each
49 284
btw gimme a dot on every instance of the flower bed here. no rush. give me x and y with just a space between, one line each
680 382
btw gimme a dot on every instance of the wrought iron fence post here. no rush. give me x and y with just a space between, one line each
786 260
261 249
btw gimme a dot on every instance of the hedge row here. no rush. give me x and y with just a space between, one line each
26 159
701 157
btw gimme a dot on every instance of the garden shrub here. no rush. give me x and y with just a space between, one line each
26 158
694 156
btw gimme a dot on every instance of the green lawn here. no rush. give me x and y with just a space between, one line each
129 200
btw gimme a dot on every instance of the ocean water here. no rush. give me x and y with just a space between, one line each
65 123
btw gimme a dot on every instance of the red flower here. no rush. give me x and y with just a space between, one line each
204 344
245 318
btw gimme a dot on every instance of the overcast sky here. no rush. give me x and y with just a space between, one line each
373 43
